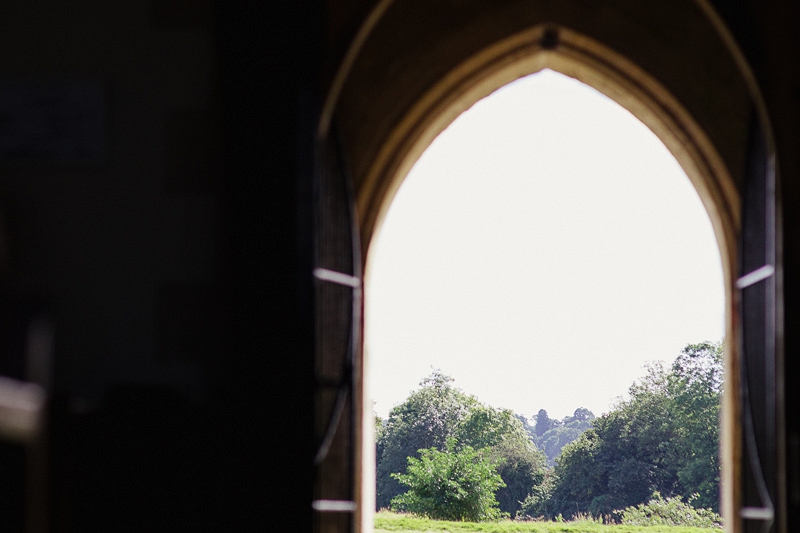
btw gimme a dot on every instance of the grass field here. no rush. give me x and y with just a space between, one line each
387 521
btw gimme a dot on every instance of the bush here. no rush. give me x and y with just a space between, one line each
450 485
537 504
670 512
522 468
438 411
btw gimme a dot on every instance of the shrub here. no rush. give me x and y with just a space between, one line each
669 512
537 504
450 485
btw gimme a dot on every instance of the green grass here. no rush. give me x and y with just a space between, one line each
387 521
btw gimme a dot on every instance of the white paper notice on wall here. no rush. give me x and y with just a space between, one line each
57 122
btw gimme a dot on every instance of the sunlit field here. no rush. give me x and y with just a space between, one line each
389 521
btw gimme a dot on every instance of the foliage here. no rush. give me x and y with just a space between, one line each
558 433
543 423
520 464
670 512
695 386
522 468
450 485
663 438
436 412
386 521
428 417
537 503
485 426
378 428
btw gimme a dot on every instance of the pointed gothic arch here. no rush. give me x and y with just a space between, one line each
415 67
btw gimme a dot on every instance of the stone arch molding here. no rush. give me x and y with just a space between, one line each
416 65
423 63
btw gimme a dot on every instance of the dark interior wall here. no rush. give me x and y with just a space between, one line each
172 255
124 245
767 33
262 395
772 44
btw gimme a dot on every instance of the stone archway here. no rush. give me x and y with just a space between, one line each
418 66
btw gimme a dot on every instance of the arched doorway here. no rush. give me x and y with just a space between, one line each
418 66
508 260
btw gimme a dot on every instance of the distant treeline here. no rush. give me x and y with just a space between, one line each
661 442
551 435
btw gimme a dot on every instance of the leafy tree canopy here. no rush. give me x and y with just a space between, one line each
664 439
437 413
543 423
551 435
458 483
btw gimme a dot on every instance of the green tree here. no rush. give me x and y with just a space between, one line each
663 439
562 432
485 426
378 428
454 484
695 386
523 469
539 501
438 411
581 415
543 423
627 455
520 464
428 417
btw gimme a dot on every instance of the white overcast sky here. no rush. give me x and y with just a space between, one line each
543 248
